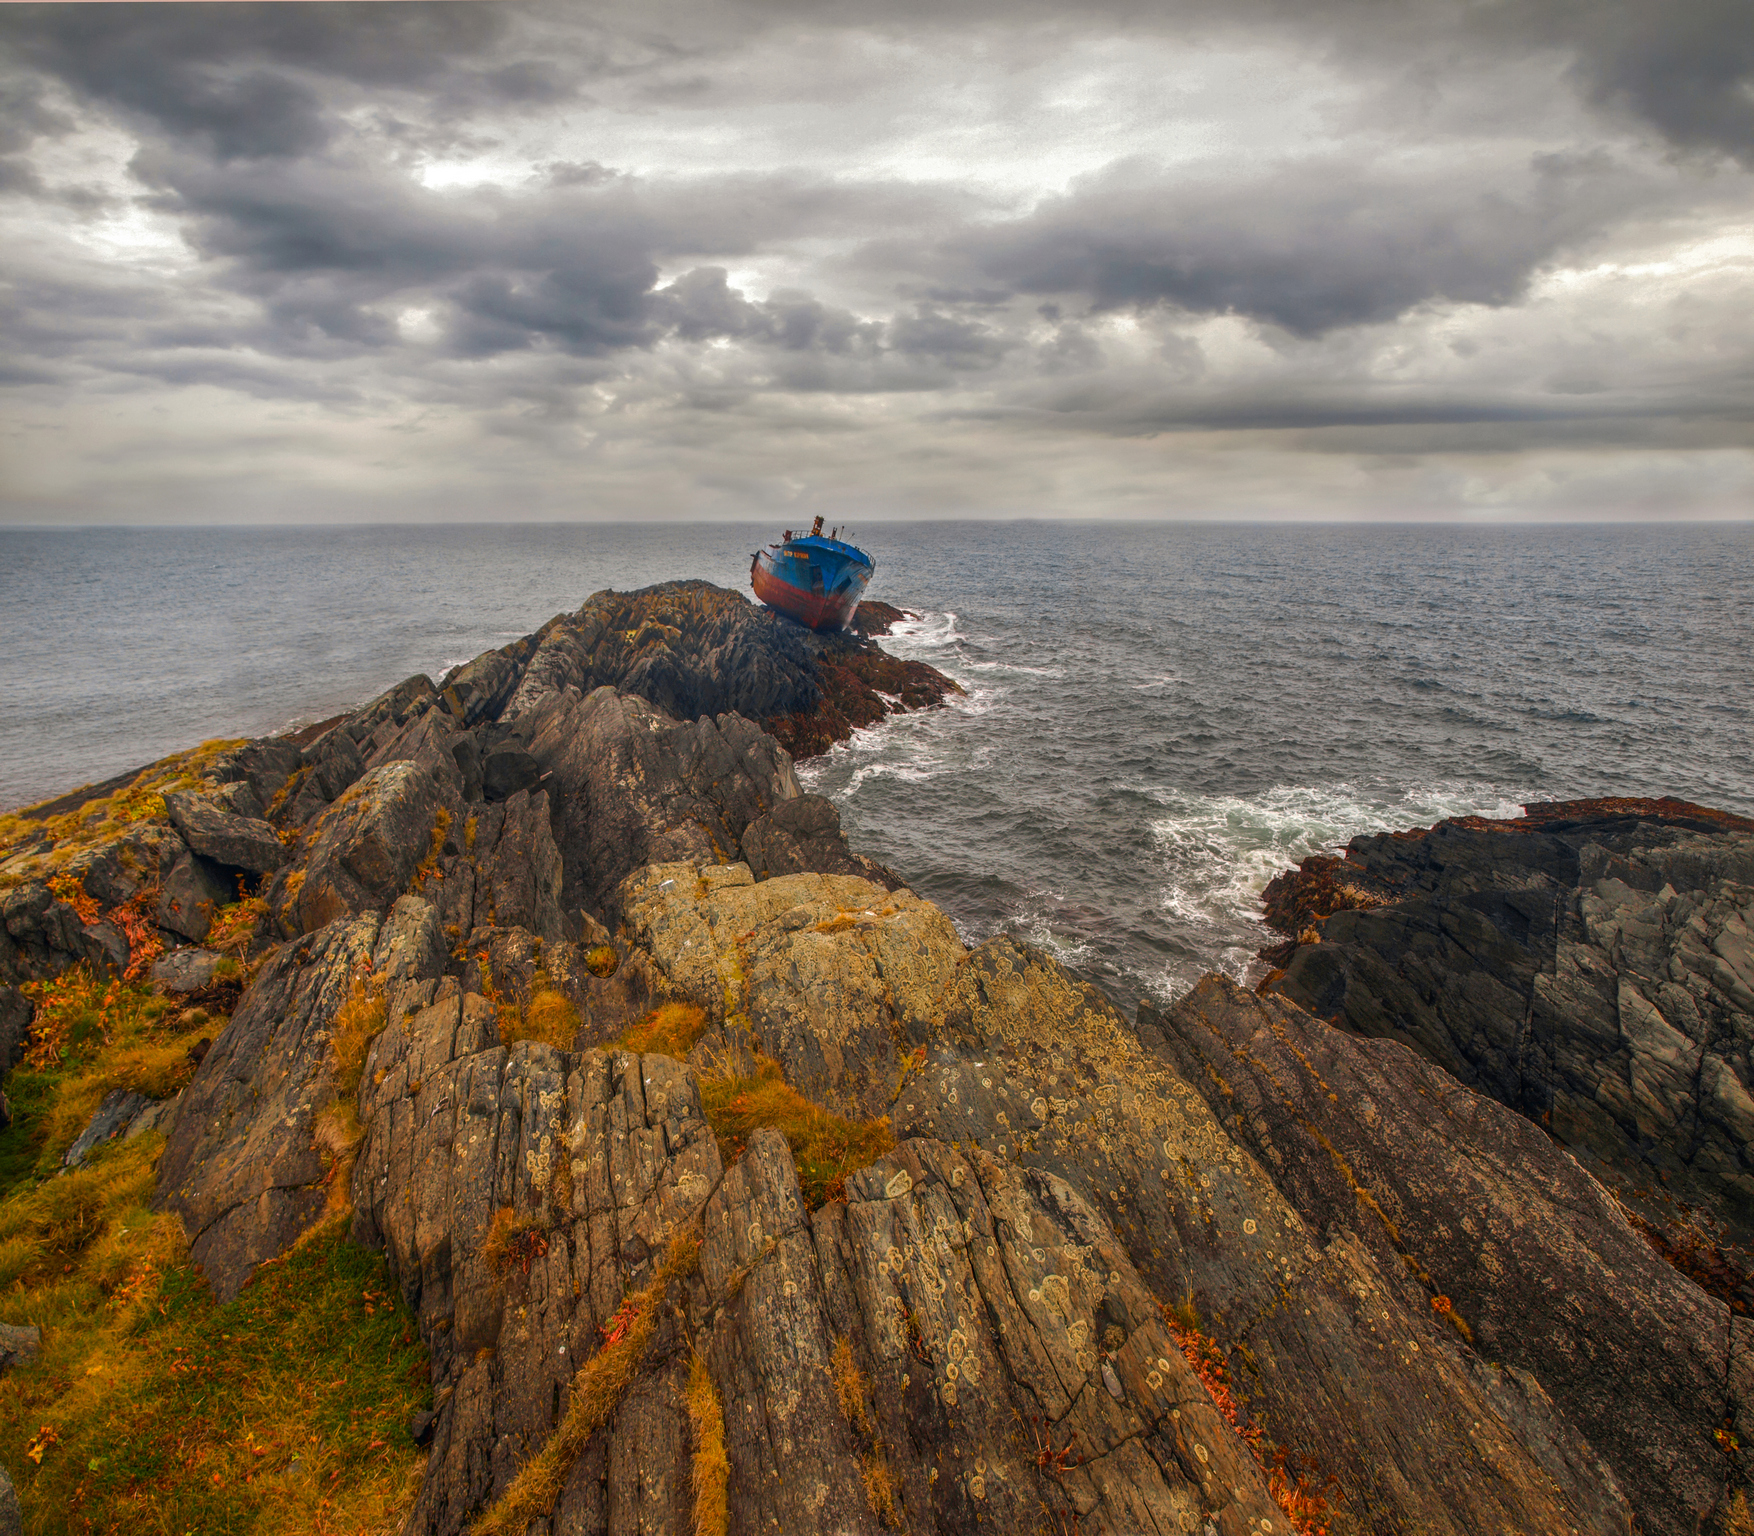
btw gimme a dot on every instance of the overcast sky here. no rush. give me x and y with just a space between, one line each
1246 258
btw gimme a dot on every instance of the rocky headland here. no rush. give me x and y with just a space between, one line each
722 1188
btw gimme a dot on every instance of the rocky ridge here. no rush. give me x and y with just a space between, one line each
1220 1268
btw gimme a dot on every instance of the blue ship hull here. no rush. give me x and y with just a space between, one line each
817 581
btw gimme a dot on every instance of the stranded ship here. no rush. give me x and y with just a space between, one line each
813 578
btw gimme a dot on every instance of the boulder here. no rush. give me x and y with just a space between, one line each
365 848
630 787
184 970
241 1164
832 973
110 1122
11 1517
506 771
193 890
18 1343
804 834
238 842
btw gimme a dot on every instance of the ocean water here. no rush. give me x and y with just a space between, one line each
1157 719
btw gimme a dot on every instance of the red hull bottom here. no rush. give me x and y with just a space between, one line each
828 612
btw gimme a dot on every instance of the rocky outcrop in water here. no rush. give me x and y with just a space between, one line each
1588 965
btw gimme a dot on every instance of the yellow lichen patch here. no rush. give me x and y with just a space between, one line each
595 1392
826 1147
712 1471
668 1030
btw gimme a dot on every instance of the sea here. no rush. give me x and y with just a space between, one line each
1156 718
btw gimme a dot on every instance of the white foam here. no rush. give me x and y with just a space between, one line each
1221 850
1013 666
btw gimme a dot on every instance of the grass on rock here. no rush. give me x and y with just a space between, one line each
151 1407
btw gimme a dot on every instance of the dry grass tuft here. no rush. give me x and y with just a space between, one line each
850 1387
514 1240
235 925
549 1016
880 1487
826 1147
596 1391
712 1471
358 1022
668 1030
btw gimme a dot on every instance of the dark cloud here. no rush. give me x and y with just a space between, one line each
1307 247
541 219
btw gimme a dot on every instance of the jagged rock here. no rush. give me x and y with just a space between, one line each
18 1343
1470 1202
264 765
156 1116
11 1517
111 1120
184 970
605 1154
1586 965
480 689
15 1016
193 890
365 848
631 787
241 1165
238 842
507 771
804 834
831 972
1034 1067
333 763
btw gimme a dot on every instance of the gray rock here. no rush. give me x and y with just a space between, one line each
238 842
184 970
118 1111
804 834
631 787
506 771
1476 1205
16 1013
241 1164
333 762
194 889
18 1343
1590 970
11 1517
364 849
157 1116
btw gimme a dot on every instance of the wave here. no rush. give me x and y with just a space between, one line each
1221 850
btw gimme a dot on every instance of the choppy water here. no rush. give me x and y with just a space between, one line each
1157 719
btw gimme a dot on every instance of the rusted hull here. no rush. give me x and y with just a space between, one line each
829 609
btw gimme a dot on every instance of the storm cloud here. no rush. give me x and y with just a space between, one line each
1251 259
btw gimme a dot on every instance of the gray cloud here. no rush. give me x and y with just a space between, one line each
766 229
